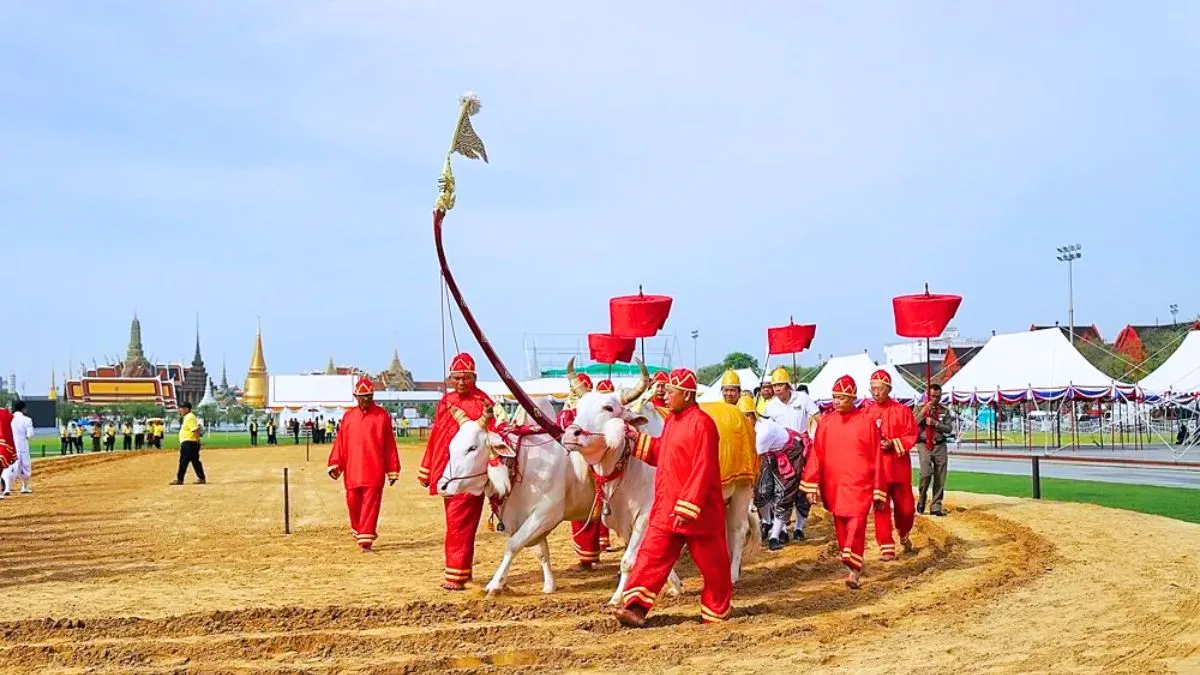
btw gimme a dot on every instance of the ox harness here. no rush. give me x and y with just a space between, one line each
600 505
514 439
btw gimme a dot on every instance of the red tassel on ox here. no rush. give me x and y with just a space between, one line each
924 315
605 348
638 316
790 339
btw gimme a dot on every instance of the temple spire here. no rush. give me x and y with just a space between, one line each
135 364
197 360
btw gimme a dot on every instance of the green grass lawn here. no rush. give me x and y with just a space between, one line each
1178 503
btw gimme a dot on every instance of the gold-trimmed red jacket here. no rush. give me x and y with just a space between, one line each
688 481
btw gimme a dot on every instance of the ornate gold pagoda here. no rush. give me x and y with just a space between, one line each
254 394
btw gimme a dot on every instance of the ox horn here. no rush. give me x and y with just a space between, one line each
486 418
573 379
458 415
634 394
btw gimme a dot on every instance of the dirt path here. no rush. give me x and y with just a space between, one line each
108 568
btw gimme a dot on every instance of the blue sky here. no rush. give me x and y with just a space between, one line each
277 159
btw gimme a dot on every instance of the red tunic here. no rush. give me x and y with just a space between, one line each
899 427
365 448
688 480
437 448
8 447
844 463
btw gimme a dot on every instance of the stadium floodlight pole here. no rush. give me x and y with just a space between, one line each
1069 254
695 350
1174 313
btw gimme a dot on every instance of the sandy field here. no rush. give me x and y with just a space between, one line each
106 568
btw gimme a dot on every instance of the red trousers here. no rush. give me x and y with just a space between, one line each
591 538
900 501
657 555
462 522
852 539
363 505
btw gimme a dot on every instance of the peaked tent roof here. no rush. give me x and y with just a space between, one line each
1180 373
750 380
859 367
1039 359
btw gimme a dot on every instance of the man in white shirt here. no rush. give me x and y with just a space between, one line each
795 410
22 469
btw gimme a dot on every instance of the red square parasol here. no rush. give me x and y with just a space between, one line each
924 315
638 316
605 348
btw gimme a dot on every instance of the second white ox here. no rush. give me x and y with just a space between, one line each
628 483
555 486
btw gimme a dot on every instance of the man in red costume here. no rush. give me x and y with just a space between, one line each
658 385
365 453
898 429
8 446
590 536
462 511
843 466
688 509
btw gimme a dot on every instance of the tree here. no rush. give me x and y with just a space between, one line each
426 410
209 413
740 360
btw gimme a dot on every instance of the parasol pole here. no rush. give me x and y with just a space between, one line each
468 144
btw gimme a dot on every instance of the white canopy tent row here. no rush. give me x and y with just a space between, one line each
860 367
1178 378
1038 365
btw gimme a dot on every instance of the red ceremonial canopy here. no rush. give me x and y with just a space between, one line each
924 315
790 339
609 349
638 316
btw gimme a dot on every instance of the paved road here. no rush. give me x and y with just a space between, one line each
1108 473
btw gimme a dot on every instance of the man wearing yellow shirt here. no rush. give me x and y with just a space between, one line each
189 446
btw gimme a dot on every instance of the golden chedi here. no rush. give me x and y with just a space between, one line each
254 394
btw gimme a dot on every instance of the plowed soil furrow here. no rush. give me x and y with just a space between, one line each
140 577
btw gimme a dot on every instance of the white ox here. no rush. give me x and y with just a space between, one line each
555 486
630 496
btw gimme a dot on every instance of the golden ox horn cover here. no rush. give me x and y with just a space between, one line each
577 388
458 415
632 395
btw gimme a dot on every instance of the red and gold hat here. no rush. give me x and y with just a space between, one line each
463 363
845 386
661 376
682 378
881 376
605 387
584 381
364 386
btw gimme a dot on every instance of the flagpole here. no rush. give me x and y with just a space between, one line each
467 143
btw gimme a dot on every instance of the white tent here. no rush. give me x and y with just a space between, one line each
749 379
1180 373
1040 364
859 367
306 397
